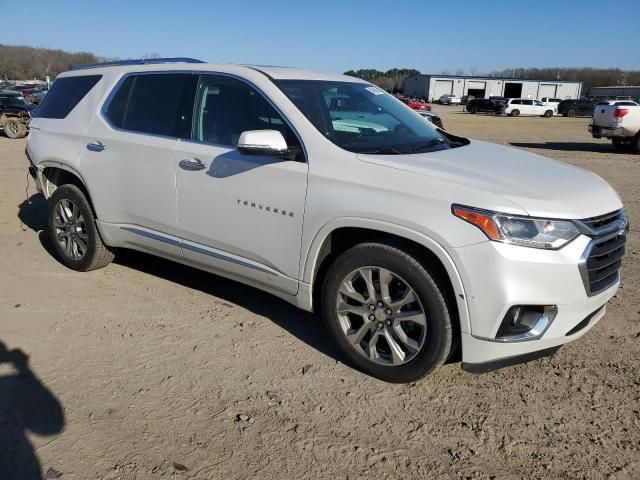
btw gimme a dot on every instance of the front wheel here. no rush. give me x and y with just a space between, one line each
73 231
571 113
386 313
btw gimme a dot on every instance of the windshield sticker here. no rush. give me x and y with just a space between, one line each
375 90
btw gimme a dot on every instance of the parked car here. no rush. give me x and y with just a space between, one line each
415 104
575 108
15 114
485 105
25 90
465 99
449 99
527 106
432 117
36 97
551 102
409 240
618 120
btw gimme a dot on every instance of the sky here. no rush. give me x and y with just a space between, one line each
334 36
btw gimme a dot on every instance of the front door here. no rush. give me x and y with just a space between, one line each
242 214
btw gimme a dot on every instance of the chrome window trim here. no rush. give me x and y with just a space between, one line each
124 77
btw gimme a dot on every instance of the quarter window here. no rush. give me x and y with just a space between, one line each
64 95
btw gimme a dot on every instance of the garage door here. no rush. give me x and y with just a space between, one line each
442 87
547 90
476 85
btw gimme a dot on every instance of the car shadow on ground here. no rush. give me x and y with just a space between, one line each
569 146
303 325
26 405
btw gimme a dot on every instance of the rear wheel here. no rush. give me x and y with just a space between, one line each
622 144
515 113
635 143
548 114
386 313
472 109
571 113
14 128
73 231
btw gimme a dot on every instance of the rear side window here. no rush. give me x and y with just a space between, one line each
157 104
64 95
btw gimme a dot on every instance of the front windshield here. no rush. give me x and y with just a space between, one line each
362 118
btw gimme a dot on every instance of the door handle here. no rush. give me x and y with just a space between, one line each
96 146
192 164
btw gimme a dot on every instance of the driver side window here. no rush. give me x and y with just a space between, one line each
226 107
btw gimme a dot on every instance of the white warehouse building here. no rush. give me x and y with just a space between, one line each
432 87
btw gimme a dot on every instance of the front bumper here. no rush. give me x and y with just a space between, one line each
498 276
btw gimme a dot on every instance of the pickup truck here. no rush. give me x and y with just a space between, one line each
618 120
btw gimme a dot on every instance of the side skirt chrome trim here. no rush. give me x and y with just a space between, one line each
197 249
153 236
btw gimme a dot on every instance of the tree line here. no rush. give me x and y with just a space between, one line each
19 62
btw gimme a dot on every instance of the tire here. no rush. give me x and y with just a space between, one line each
14 128
548 114
635 143
73 232
515 113
430 336
623 145
472 110
571 113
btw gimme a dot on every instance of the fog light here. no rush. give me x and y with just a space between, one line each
526 322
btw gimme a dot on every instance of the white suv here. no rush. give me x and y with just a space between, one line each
527 106
331 194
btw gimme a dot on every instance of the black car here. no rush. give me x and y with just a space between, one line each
485 105
573 108
432 117
15 114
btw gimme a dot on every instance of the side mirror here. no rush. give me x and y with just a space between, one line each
269 143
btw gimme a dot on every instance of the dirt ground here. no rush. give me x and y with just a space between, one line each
147 369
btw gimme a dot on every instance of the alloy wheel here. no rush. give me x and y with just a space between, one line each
71 229
381 316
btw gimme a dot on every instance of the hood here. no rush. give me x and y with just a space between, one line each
539 185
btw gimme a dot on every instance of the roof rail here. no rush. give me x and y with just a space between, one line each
138 61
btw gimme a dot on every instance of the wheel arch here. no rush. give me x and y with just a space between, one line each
56 174
342 234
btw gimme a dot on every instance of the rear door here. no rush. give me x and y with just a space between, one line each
129 160
241 214
528 107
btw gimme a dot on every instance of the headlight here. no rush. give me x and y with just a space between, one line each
525 231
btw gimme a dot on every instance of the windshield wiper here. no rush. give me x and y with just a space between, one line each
429 144
384 151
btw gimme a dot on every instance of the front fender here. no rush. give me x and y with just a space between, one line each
309 262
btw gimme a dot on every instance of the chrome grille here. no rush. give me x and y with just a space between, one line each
601 261
602 221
